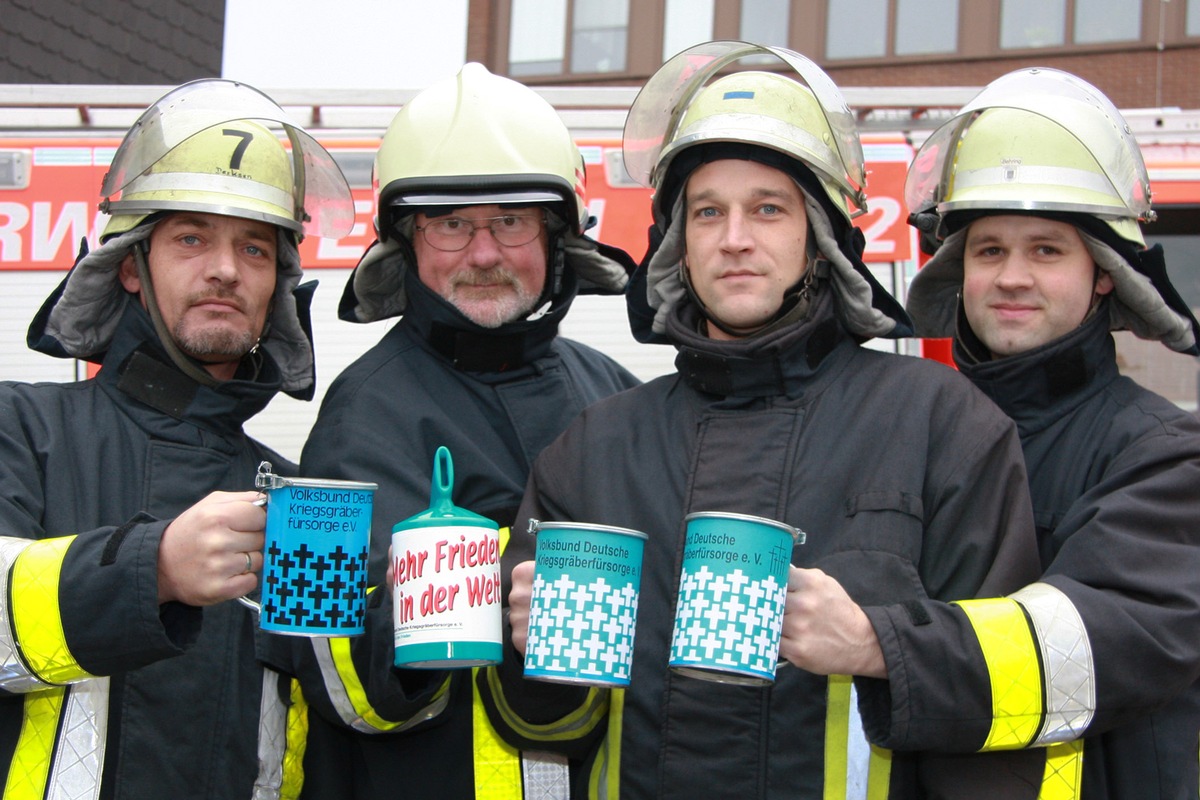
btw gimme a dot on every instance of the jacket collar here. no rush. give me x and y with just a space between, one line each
1039 386
136 368
773 364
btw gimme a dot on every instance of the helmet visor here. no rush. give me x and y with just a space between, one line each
1071 103
660 105
321 196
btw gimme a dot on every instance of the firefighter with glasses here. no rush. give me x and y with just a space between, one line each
481 220
127 505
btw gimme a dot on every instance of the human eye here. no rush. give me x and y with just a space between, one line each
770 210
449 225
189 239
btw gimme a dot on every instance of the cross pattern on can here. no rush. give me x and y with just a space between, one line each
728 620
581 629
297 591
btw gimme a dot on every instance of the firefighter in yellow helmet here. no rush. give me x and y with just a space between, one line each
1034 194
128 524
482 248
905 479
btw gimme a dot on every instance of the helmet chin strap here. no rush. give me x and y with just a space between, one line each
185 364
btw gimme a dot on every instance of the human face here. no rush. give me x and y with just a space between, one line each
745 241
214 277
489 283
1027 281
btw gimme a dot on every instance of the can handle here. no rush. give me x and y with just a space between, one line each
261 502
441 500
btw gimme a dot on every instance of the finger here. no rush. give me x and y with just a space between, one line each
795 579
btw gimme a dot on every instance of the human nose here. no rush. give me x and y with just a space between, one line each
223 266
736 235
482 249
1014 273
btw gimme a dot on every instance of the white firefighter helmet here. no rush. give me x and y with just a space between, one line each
478 138
806 119
1035 139
206 147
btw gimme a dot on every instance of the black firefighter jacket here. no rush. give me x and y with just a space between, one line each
907 481
494 399
1112 629
101 684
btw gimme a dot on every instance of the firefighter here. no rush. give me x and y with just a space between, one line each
128 523
907 481
481 249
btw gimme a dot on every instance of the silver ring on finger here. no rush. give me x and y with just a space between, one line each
249 565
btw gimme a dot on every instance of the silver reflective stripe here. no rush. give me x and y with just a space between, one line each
336 690
545 776
272 739
78 754
14 674
1069 673
858 753
221 184
1033 174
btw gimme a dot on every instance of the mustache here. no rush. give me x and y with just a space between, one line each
224 295
496 276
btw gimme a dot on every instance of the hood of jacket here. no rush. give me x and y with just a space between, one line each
1143 299
82 315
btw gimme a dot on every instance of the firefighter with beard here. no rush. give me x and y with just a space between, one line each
127 517
481 249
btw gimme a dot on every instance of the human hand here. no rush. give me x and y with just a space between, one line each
519 598
210 552
826 632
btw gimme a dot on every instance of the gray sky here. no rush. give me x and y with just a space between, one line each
396 44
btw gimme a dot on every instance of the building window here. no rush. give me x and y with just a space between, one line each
856 30
685 23
1032 23
538 40
598 34
1044 23
926 26
765 22
1107 21
536 45
1192 27
879 28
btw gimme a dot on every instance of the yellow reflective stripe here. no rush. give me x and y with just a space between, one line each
880 773
505 535
1064 771
837 736
339 649
604 781
1012 663
575 725
497 763
297 741
30 768
36 617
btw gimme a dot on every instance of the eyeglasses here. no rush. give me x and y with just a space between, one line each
454 233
